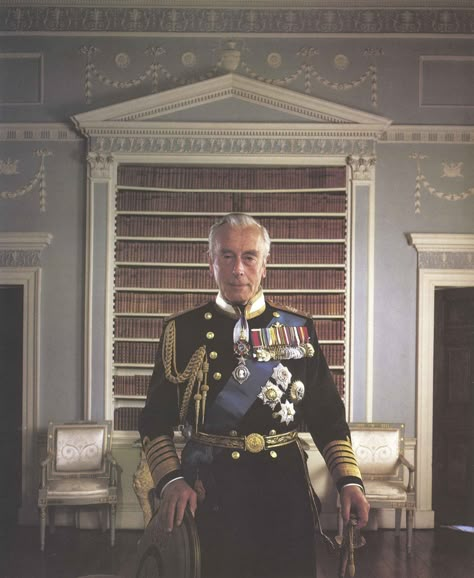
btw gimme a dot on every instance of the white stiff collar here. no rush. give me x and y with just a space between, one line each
256 306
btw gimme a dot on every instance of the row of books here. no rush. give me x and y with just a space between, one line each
339 380
136 327
231 178
143 352
168 303
131 384
137 385
187 278
330 329
185 226
126 418
334 353
226 202
151 328
197 252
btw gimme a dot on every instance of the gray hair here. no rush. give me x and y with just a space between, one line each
238 220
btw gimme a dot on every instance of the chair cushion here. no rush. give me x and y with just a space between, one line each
78 488
79 449
376 451
377 490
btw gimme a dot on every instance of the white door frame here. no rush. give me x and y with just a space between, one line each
19 265
443 261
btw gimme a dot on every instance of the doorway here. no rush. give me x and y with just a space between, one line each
453 405
11 396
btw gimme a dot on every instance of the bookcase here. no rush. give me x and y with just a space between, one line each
162 218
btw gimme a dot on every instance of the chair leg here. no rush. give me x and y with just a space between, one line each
409 530
42 527
112 524
398 521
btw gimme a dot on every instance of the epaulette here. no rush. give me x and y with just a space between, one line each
288 308
186 311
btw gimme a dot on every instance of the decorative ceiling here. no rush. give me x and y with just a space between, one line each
289 4
237 17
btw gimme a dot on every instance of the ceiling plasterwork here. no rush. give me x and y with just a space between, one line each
235 18
251 3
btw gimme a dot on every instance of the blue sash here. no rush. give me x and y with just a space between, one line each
235 399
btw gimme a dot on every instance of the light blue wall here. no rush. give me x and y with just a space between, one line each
62 82
62 298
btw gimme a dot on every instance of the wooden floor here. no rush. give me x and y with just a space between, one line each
72 553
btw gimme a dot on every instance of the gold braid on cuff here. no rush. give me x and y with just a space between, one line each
161 457
340 459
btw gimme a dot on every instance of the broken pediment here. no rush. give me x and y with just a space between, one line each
230 98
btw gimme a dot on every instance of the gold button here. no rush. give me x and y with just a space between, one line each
217 376
276 314
235 455
213 355
273 454
233 433
208 315
209 335
272 432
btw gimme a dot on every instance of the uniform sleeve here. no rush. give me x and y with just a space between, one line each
156 425
324 415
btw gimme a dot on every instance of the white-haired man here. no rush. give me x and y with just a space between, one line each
248 373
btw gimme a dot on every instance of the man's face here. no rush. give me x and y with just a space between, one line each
238 262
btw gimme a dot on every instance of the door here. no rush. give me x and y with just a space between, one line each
11 387
453 445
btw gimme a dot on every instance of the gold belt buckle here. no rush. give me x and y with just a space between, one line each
254 443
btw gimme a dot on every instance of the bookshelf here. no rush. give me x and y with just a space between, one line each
162 218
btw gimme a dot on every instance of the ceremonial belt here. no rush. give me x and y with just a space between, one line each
253 443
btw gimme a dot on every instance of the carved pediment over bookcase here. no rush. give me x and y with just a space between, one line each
229 121
230 114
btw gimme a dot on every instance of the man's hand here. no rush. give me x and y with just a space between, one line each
353 500
176 497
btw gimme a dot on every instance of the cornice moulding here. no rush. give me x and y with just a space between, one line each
293 4
441 243
37 131
431 134
231 130
231 19
25 241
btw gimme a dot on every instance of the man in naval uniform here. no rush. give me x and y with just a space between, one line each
239 375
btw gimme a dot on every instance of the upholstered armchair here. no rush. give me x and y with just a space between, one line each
379 448
79 470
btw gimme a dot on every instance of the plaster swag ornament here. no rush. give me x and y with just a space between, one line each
450 170
39 181
308 71
230 60
91 72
